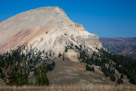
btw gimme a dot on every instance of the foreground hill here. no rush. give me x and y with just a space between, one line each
122 46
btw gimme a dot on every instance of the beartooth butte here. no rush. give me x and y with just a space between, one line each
46 28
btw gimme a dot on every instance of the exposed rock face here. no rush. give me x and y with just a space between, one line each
46 28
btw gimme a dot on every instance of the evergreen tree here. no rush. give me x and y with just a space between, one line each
41 76
120 81
112 78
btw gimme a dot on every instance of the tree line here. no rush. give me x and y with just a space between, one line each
25 66
108 62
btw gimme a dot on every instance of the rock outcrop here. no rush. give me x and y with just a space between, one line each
46 28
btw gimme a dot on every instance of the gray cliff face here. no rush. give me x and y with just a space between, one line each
46 28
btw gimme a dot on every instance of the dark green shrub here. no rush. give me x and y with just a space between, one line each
51 66
119 81
113 78
59 55
90 68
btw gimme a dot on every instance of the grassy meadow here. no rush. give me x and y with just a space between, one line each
69 88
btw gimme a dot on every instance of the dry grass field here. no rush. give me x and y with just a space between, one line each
71 76
69 88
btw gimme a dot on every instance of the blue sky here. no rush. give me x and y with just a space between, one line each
106 18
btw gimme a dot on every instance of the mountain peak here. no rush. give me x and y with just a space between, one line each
55 9
46 28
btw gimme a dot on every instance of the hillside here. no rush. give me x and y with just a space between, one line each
44 47
44 34
122 46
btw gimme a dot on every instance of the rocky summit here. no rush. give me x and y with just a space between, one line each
46 28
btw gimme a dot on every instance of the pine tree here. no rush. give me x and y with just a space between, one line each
113 78
41 76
